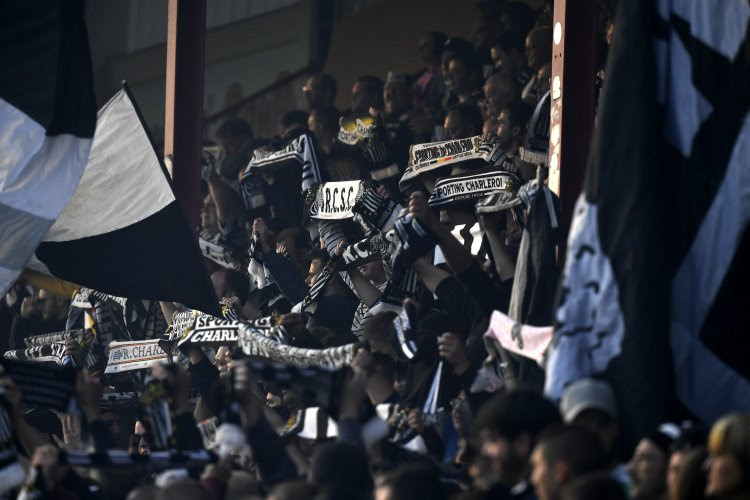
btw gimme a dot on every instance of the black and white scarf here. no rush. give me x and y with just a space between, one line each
134 355
309 303
377 212
222 255
255 343
299 150
44 385
412 240
463 188
432 155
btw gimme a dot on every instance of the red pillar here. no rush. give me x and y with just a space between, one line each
183 121
572 90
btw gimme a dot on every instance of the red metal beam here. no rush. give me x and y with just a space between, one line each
572 90
183 121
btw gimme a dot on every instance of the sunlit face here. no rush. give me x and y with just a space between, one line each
316 266
648 469
724 475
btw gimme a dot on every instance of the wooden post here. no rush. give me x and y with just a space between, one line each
183 121
572 91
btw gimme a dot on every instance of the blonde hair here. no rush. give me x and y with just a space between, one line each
730 435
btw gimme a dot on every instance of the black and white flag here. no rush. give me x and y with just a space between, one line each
47 115
654 274
123 232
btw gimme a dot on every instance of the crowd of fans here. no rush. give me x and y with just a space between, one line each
431 425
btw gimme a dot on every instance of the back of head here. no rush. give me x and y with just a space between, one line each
580 449
236 129
410 482
691 478
593 487
294 119
341 465
516 412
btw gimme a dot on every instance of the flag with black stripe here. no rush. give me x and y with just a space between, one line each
47 118
123 231
655 281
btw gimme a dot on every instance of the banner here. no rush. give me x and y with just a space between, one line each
335 200
367 250
54 353
209 330
471 187
254 343
136 355
220 254
431 155
528 341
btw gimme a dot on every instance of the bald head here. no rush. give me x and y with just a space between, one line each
539 47
500 90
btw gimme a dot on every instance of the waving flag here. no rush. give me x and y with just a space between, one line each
654 286
47 118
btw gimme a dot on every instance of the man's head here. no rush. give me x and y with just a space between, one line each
431 46
410 482
648 465
511 124
397 93
291 121
318 260
595 486
539 47
462 75
374 271
591 404
209 219
234 135
230 284
367 92
320 91
729 457
506 429
507 52
563 453
324 124
462 120
341 465
378 332
454 47
499 91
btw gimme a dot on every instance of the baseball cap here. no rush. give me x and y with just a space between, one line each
585 394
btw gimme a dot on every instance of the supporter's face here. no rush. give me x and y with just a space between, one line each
231 145
396 98
316 266
49 308
673 471
647 469
454 126
459 78
504 132
543 477
361 98
724 475
508 460
313 93
373 271
209 220
502 60
112 421
140 432
498 96
536 51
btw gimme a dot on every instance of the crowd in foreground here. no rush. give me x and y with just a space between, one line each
388 233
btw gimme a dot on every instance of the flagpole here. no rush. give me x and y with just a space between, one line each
183 121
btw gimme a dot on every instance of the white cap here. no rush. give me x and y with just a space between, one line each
585 394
